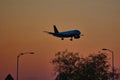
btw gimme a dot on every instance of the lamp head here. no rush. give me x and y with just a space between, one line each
104 49
32 53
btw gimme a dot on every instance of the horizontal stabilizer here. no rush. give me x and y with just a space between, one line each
48 32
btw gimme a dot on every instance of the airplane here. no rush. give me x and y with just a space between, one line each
66 34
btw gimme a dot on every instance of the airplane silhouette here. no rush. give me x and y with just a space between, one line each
66 34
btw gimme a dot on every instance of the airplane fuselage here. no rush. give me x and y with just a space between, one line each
71 33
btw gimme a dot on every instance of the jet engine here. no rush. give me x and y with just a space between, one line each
76 36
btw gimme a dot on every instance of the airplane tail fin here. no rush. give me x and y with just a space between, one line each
55 29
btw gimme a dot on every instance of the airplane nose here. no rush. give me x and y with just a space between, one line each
78 32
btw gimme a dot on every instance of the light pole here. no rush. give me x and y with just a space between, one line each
112 61
18 56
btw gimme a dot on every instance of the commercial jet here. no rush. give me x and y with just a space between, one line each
66 34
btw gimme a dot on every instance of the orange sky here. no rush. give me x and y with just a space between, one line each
22 24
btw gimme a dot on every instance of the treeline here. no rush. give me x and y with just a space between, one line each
70 66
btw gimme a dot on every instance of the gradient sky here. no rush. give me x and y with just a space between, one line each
22 23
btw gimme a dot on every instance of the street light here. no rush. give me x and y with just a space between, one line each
18 60
112 61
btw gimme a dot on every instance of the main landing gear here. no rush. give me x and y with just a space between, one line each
62 38
71 39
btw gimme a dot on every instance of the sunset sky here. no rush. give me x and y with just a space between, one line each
22 23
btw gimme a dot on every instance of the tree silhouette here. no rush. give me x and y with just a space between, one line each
70 66
94 67
65 64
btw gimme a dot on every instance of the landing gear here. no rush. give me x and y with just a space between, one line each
71 39
62 38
